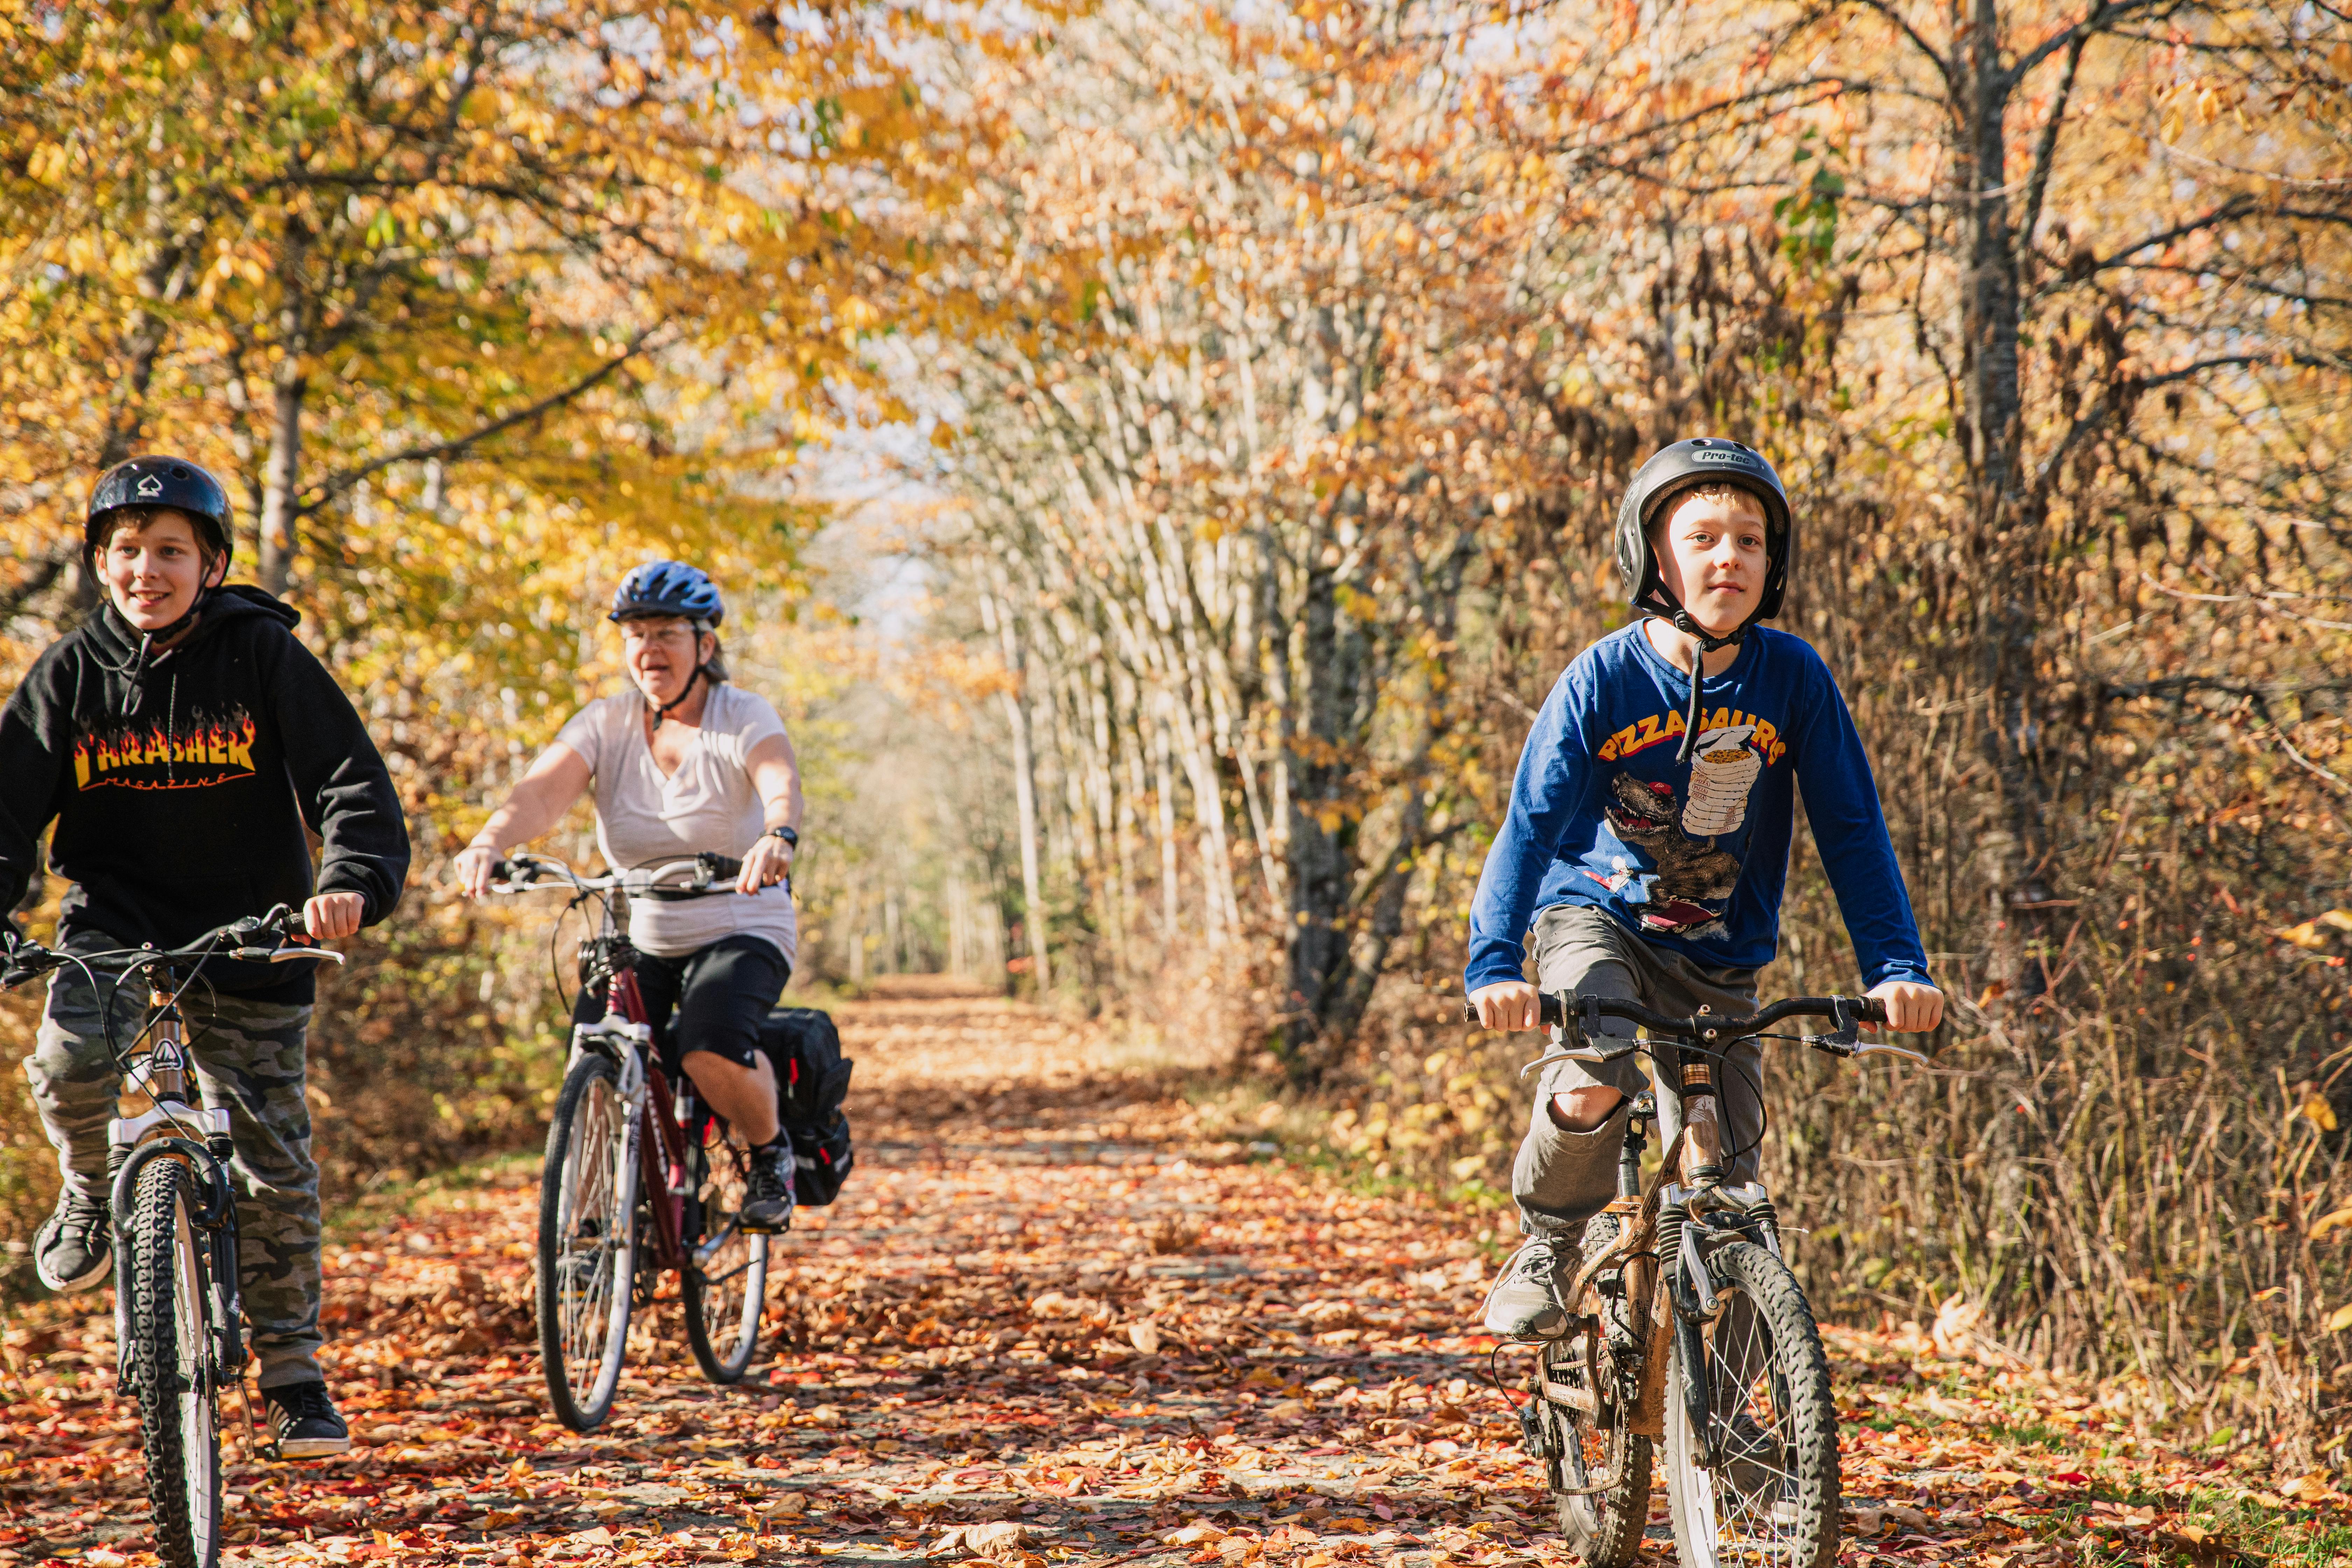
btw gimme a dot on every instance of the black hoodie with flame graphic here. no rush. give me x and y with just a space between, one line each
182 785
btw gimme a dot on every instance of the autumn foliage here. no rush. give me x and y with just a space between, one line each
1337 334
1283 369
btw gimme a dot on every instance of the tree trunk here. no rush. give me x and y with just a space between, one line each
1323 827
998 617
282 475
2007 536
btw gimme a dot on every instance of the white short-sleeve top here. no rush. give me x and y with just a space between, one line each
708 804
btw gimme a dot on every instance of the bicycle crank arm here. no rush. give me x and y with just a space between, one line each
1573 1397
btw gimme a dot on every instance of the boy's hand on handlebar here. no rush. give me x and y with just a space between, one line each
475 865
765 864
1910 1006
1509 1005
330 915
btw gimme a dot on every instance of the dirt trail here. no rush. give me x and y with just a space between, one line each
1043 1300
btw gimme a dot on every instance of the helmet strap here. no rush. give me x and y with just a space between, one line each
1708 643
662 712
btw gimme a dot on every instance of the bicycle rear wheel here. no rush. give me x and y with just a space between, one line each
587 1243
726 1273
1603 1496
171 1361
1772 1495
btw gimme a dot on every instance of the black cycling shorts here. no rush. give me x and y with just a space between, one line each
715 999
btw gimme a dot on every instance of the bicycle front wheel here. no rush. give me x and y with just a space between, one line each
587 1243
171 1361
726 1273
1770 1493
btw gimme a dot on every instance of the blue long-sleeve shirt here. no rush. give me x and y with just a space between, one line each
1692 858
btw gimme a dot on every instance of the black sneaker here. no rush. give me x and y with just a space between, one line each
75 1249
768 1201
303 1419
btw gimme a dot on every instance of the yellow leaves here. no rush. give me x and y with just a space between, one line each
2312 934
47 164
2316 1109
2340 1320
2328 1222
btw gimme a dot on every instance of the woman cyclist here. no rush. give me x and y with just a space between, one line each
680 764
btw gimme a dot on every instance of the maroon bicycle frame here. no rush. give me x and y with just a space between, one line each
661 1141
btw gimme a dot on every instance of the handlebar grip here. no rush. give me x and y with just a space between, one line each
1870 1010
503 870
724 868
1547 1009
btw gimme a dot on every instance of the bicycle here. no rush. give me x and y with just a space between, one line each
178 1305
1723 1365
627 1151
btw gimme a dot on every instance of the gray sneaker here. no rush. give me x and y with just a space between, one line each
74 1249
1525 1302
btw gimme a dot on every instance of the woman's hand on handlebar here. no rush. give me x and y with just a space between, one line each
1910 1006
765 864
1509 1004
477 870
329 916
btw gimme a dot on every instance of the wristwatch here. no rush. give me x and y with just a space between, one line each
790 835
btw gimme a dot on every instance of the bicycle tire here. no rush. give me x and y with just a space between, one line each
1605 1528
587 1243
725 1292
1770 1411
171 1359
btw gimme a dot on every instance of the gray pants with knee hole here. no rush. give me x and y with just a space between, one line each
1561 1178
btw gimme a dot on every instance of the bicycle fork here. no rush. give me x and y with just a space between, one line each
1688 1210
161 1079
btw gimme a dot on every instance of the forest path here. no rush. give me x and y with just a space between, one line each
1042 1300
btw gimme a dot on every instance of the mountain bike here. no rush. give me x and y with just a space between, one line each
178 1308
630 1154
1685 1325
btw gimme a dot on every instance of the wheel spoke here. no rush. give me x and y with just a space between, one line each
587 1247
726 1278
1769 1497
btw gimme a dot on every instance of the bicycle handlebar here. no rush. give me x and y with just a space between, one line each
30 960
527 873
1559 1008
1701 1030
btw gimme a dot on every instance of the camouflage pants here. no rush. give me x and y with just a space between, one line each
250 1059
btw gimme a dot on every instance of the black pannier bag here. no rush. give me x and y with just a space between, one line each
811 1080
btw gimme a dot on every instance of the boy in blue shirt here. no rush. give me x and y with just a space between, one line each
1648 839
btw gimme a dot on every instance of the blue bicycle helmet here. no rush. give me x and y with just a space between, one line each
668 588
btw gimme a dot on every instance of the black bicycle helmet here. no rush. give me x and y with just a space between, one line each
668 588
173 482
1673 471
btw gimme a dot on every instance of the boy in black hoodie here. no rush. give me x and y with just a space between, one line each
183 741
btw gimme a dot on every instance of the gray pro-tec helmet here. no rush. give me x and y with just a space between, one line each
173 482
1687 466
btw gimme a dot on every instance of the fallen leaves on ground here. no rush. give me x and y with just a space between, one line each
1047 1323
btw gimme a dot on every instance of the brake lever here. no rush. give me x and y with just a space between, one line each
1887 1049
1585 1024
